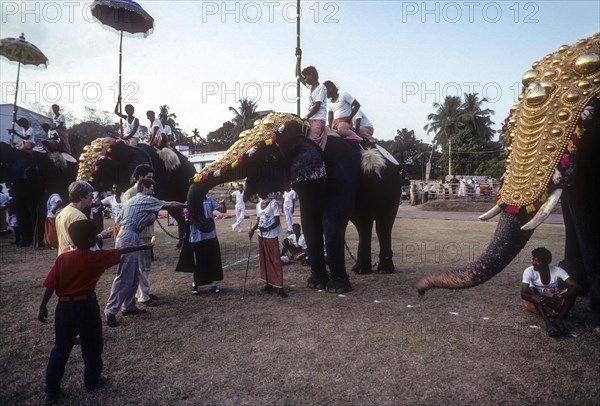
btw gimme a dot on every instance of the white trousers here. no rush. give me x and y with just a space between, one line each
240 213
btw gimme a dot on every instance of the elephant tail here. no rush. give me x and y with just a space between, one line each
170 159
58 160
372 161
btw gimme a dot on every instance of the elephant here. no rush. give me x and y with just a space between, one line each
33 177
553 138
332 188
107 161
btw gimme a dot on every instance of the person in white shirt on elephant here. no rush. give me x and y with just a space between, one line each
362 125
342 108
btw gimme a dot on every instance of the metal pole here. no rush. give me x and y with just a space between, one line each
14 117
449 156
298 57
120 66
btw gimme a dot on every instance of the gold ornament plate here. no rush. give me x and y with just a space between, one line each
556 90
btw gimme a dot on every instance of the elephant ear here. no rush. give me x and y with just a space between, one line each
307 164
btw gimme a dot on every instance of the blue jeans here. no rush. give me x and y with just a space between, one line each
72 318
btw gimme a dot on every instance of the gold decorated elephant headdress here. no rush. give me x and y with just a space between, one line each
544 128
264 133
99 149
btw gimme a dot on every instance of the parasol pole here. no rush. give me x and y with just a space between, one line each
298 58
120 101
14 117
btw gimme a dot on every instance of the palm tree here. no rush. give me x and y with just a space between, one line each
447 120
477 120
244 117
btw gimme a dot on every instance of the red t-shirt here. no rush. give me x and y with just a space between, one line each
77 272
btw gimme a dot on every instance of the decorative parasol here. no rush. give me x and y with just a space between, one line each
23 52
123 16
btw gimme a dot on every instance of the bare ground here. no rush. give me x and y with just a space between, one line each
379 344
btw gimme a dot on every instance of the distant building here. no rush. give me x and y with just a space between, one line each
202 160
35 120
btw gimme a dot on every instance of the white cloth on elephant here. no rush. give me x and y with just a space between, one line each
533 278
318 95
266 218
342 106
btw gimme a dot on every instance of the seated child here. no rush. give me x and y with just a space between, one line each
73 277
294 246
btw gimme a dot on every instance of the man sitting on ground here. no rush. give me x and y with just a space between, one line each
543 295
294 246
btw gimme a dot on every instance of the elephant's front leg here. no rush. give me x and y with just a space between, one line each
312 227
335 232
364 227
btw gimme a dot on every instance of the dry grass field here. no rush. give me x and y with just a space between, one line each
379 344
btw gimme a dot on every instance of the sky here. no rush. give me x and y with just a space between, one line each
395 57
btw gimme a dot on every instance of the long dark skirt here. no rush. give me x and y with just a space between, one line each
208 262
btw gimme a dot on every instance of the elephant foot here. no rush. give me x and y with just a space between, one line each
339 286
386 265
316 282
361 269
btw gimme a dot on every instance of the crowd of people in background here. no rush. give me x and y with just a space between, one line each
461 188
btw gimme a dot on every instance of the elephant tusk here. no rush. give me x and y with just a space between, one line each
493 212
544 211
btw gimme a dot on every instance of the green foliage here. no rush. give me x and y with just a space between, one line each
84 133
244 117
222 138
464 132
412 154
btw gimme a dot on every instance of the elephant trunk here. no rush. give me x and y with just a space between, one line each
507 242
197 193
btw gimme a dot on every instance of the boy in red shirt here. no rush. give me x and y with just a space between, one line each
73 277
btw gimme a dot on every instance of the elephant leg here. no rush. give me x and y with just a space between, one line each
383 227
313 233
335 232
573 261
363 258
587 222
